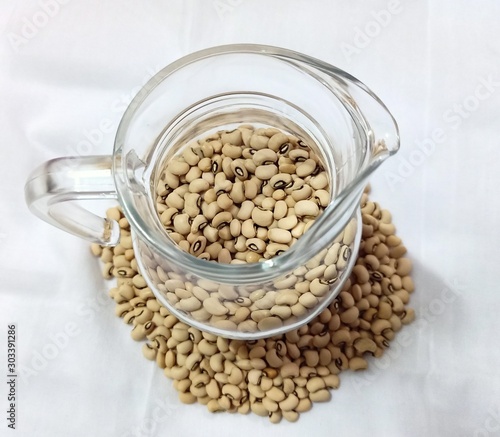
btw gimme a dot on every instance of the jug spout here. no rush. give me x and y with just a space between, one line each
377 138
382 132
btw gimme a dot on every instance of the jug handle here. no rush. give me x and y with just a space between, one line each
51 189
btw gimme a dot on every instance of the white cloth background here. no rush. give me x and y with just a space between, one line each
437 67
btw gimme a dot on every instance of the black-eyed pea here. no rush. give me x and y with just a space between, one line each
259 409
276 142
331 381
269 404
143 316
289 370
259 315
280 181
233 392
344 256
248 229
262 217
396 323
403 266
381 251
213 406
187 398
284 312
140 331
314 384
322 395
384 310
363 345
332 254
308 300
299 310
300 389
266 172
258 142
372 263
318 288
386 228
269 323
305 168
322 198
311 358
174 200
298 230
265 156
346 299
280 211
250 188
396 303
320 341
276 395
280 236
149 352
380 325
350 232
408 316
340 336
224 256
275 417
213 389
126 291
358 363
315 272
403 295
298 155
304 405
320 181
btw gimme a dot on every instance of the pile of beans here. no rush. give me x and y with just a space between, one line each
278 377
242 195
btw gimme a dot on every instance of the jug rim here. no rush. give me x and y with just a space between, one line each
236 274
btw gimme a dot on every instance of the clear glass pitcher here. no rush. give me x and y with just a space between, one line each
221 88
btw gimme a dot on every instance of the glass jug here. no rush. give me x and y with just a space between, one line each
214 89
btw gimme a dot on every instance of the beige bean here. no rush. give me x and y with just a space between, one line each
308 300
320 181
214 306
288 223
265 156
287 297
149 352
276 141
314 384
404 266
358 363
259 409
187 398
178 168
306 208
304 405
269 323
266 171
281 236
233 392
232 137
322 395
284 312
306 168
349 232
349 315
262 217
258 142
